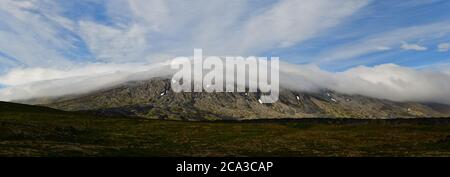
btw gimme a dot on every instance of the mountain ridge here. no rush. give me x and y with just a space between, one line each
153 98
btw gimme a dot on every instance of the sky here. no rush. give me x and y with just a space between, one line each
47 40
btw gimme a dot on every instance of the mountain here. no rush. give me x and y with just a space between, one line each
154 99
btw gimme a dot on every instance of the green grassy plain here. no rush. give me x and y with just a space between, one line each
35 131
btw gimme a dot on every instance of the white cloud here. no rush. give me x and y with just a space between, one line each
383 48
390 39
416 47
220 27
115 44
386 81
48 82
443 47
28 75
37 34
289 22
31 34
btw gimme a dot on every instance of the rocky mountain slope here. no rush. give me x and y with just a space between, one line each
155 99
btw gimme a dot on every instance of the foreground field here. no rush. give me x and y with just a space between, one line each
35 131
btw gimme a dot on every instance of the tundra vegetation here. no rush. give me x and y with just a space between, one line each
39 131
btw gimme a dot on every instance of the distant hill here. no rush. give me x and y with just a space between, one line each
154 99
6 107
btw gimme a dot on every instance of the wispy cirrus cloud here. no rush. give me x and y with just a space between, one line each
31 38
443 47
391 39
51 33
416 47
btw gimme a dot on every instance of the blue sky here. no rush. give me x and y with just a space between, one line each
389 49
379 18
334 35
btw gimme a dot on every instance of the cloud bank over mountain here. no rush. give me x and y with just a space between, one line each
387 81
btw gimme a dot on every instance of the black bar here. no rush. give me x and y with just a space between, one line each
279 166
